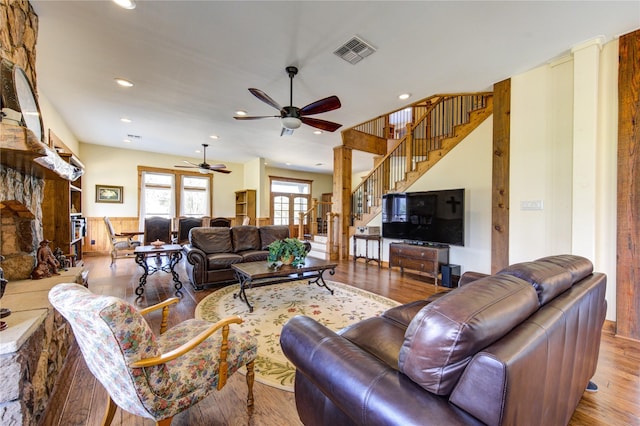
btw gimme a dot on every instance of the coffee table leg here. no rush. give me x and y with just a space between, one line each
173 261
320 282
244 281
141 260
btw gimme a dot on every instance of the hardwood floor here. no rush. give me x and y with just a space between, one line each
80 399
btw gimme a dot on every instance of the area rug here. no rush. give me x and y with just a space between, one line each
275 304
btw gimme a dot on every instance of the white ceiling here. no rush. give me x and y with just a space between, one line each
193 61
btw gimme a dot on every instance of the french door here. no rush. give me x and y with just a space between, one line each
286 206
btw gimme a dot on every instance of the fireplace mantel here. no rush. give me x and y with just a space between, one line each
21 150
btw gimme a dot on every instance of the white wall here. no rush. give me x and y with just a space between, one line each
52 120
550 162
113 166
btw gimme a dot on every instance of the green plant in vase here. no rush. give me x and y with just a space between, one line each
290 251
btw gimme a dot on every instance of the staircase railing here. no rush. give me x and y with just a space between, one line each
312 222
419 129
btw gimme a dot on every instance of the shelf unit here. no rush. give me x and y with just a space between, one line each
62 221
246 206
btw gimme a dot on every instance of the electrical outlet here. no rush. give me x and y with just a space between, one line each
531 205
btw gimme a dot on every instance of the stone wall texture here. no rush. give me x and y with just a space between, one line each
29 376
18 35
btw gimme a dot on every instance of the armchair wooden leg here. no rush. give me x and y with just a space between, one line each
109 412
250 379
164 422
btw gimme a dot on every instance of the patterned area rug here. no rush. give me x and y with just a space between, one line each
275 304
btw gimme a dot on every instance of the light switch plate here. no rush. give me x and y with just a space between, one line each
531 205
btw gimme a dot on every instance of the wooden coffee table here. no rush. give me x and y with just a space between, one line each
259 273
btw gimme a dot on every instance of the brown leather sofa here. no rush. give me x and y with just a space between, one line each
515 348
211 251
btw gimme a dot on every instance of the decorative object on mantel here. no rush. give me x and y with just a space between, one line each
61 258
4 312
158 244
47 264
109 194
290 251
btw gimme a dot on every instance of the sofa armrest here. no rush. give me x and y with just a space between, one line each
470 276
194 255
357 383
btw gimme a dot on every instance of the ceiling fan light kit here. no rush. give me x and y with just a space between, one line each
291 123
291 116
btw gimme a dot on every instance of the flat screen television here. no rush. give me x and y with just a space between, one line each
425 217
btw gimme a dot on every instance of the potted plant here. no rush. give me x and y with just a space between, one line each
290 251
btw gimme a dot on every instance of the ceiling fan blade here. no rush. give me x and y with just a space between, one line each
323 105
187 167
265 98
216 166
225 171
246 117
321 124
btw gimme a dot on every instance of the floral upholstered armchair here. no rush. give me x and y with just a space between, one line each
148 375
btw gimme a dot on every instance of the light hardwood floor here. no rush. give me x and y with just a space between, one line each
80 399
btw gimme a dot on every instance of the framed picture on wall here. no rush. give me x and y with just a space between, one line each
108 194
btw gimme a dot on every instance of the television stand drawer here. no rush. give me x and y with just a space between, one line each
425 259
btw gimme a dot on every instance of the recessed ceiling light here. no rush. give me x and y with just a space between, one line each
126 4
197 151
241 112
317 132
288 164
214 137
124 82
125 120
126 140
404 96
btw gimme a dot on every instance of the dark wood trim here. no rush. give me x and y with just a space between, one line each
500 175
628 232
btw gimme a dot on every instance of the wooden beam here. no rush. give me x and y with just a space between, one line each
342 159
360 141
500 176
628 232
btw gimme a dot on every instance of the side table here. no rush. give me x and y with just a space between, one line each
375 238
172 251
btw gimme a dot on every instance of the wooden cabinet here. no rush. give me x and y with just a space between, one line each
246 206
62 220
425 259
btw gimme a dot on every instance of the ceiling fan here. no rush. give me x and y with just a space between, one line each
292 117
205 167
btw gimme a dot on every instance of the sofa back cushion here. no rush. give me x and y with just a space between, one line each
271 233
547 278
443 337
579 267
245 237
211 240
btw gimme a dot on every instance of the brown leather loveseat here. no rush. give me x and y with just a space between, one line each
212 250
515 348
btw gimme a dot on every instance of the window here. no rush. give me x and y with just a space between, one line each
289 197
172 193
195 196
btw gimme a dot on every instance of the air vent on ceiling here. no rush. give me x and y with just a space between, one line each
354 50
130 136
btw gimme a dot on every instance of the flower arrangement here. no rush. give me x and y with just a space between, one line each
288 251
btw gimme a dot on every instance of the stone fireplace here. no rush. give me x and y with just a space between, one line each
20 222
